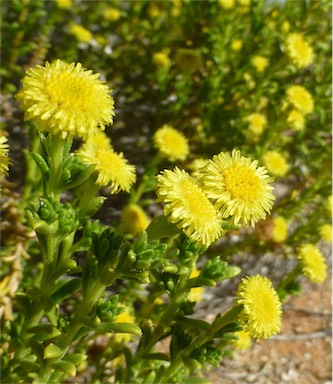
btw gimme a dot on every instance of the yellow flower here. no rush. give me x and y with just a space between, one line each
312 263
171 143
299 50
64 4
134 219
81 33
280 229
285 27
4 159
124 317
161 59
300 98
296 120
259 63
326 232
99 141
196 293
236 45
113 170
275 163
226 4
111 14
66 99
257 123
197 166
187 206
243 340
261 312
241 190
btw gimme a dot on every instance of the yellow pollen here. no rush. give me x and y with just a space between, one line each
241 182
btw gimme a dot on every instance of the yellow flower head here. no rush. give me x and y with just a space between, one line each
259 63
296 120
299 50
226 4
4 159
241 190
326 232
124 317
275 163
280 229
113 170
300 98
187 206
312 263
81 33
99 141
66 99
243 340
285 27
261 312
111 14
196 293
257 123
64 4
134 219
161 59
171 143
236 45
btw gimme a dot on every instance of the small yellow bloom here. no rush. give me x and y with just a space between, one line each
296 120
4 159
236 45
124 317
312 263
299 50
187 206
285 27
259 63
300 98
64 4
112 168
275 163
161 59
240 189
243 340
262 311
226 4
280 229
257 123
134 219
196 293
81 33
111 14
326 232
171 143
66 99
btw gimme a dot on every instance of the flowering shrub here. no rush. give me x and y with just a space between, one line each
166 142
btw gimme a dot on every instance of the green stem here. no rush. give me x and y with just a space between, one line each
286 280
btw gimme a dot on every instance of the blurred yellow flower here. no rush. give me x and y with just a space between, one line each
312 263
296 120
187 206
66 99
171 143
257 123
64 4
259 63
112 168
262 307
236 45
280 229
197 166
195 293
82 34
161 59
240 189
111 14
299 50
4 159
285 27
99 141
275 163
134 219
226 4
325 231
243 340
300 98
